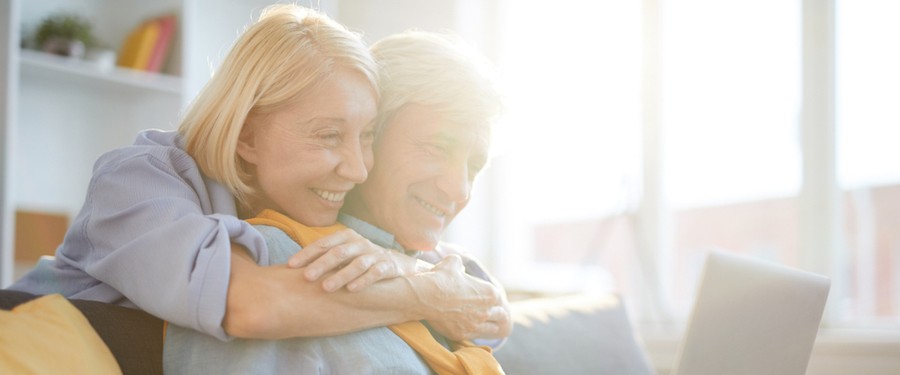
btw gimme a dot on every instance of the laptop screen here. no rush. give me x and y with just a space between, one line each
752 317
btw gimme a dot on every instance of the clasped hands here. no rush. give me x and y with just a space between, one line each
457 305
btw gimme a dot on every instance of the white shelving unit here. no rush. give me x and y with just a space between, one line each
77 71
58 115
9 73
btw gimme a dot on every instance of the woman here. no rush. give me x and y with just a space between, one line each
161 226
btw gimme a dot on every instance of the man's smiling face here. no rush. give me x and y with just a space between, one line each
422 177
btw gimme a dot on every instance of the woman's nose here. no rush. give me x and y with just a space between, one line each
355 164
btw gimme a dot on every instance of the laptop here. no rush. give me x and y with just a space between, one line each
752 317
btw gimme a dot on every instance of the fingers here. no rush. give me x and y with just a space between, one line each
368 269
331 260
498 324
332 252
315 250
349 260
467 307
361 272
492 323
451 262
488 329
468 324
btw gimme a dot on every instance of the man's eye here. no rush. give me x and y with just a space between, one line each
367 137
474 169
436 149
330 138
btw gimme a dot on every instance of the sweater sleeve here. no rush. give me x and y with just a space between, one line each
152 230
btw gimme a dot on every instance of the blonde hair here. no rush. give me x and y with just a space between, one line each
436 70
286 54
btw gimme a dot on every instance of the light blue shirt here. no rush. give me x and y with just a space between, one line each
154 233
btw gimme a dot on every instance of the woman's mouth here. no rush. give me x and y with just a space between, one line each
331 196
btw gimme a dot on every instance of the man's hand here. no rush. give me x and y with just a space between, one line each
356 262
460 306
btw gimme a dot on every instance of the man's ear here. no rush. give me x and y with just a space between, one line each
246 145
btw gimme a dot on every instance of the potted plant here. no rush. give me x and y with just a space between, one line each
65 34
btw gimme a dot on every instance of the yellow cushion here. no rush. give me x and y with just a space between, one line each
48 335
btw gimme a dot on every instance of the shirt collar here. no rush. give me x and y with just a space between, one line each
375 234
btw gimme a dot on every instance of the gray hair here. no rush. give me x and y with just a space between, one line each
436 70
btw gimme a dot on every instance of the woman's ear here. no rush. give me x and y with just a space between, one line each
246 145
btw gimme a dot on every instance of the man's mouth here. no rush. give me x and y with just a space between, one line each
436 211
331 196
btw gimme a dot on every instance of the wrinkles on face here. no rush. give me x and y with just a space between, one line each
423 175
309 154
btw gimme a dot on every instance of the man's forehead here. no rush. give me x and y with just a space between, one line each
474 140
426 123
462 133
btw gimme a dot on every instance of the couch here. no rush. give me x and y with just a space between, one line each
577 334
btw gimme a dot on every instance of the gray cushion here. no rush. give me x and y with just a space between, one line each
572 335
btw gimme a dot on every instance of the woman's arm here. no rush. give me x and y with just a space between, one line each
359 263
154 234
271 302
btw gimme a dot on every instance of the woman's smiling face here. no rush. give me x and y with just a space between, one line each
306 156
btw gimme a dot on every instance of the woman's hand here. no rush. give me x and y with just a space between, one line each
355 261
460 306
276 302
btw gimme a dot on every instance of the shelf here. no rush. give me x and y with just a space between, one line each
45 64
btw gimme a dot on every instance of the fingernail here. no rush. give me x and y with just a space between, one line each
311 274
328 285
293 263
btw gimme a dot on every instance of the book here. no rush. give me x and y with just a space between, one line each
138 46
161 47
38 233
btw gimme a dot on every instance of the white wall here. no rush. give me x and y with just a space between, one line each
65 125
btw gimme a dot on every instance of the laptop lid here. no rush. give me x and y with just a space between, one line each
752 317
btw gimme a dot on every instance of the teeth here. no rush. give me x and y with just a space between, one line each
431 208
330 195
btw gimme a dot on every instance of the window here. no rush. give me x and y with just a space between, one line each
574 165
868 127
731 156
568 150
